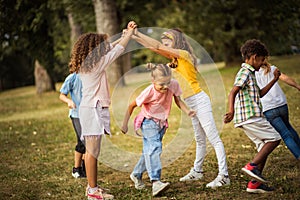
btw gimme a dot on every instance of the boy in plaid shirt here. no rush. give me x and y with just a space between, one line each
245 108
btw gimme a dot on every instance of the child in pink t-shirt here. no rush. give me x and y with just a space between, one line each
156 101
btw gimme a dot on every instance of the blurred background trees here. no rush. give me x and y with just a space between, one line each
39 34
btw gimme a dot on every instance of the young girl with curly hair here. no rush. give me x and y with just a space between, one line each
91 56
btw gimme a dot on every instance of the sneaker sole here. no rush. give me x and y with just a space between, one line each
162 190
257 191
254 176
193 179
217 186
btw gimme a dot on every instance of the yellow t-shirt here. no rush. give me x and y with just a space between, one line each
186 74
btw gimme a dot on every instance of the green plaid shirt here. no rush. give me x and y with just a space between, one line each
247 102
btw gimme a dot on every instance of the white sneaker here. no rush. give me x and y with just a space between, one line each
221 180
138 183
159 187
99 195
192 176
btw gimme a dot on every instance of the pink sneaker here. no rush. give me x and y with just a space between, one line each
98 195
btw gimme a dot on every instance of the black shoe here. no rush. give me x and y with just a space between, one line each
78 173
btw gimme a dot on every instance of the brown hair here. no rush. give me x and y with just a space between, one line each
253 47
87 51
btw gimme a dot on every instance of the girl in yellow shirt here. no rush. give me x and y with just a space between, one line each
175 47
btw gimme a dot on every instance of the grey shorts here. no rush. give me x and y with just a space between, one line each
94 121
261 132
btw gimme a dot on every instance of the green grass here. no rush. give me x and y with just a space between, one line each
37 148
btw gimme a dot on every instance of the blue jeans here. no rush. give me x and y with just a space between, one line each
152 149
279 119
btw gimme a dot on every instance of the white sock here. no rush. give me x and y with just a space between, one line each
92 190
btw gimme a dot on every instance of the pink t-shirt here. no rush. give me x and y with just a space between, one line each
94 84
156 105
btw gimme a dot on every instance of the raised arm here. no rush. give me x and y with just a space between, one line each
127 35
290 81
183 106
128 113
155 45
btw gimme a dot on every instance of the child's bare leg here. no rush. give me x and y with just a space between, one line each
91 155
78 159
261 157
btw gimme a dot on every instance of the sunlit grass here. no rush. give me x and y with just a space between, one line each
37 148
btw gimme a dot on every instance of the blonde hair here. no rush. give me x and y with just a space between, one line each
266 67
180 42
159 71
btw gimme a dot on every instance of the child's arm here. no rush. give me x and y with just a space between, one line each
231 99
155 45
128 113
114 43
127 35
68 101
266 89
183 106
290 81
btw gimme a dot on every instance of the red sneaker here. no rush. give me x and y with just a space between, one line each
254 173
257 187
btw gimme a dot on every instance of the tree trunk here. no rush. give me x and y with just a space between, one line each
43 82
107 22
76 29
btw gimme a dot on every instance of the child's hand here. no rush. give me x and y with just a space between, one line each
71 104
131 25
124 129
228 117
276 73
192 113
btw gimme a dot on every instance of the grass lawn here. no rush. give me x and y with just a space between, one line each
37 146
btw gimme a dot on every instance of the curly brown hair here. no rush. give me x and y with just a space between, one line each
253 47
87 51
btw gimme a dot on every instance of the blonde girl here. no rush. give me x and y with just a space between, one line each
175 47
156 101
275 108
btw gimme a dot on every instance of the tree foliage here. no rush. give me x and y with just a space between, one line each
39 29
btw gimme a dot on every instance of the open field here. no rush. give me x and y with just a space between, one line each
37 146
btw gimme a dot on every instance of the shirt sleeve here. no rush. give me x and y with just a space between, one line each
144 96
241 78
185 55
175 88
110 57
67 85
